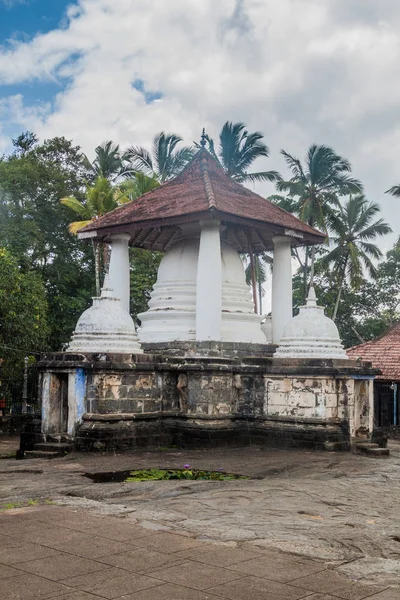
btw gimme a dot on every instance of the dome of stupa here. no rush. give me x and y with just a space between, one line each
311 334
105 327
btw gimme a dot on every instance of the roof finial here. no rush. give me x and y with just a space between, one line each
203 139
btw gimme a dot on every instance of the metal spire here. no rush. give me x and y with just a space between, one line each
203 139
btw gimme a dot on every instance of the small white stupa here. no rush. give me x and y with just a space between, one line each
105 327
311 334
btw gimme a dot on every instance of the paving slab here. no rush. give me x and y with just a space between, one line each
169 591
78 596
330 582
6 572
60 566
389 594
218 555
168 542
112 583
278 567
254 588
17 554
30 587
140 560
195 575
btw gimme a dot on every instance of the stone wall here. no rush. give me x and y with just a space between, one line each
151 400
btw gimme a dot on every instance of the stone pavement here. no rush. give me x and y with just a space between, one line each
50 551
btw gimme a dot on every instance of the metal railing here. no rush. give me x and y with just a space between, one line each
19 386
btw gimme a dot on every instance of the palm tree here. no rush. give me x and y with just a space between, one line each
136 186
237 151
395 191
353 229
164 162
109 162
100 199
315 188
256 275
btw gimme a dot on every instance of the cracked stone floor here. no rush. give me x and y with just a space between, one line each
309 525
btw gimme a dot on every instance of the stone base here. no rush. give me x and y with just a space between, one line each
123 432
209 349
128 401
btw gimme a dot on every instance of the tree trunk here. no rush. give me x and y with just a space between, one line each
312 266
305 271
341 281
259 296
253 280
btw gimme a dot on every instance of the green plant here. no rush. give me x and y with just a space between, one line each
166 474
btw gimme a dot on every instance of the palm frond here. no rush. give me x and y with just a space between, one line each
394 191
77 225
77 206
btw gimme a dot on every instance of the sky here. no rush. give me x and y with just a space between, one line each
299 71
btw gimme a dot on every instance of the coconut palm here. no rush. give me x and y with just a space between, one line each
136 186
100 199
256 275
395 191
237 151
164 162
352 230
315 187
109 162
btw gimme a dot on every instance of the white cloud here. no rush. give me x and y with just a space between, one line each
301 71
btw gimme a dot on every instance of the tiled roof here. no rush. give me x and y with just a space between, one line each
383 353
201 191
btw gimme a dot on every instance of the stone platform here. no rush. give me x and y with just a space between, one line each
127 401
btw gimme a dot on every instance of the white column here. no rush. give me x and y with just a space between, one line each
119 268
209 284
282 300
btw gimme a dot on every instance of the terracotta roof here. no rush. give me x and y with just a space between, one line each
383 353
202 191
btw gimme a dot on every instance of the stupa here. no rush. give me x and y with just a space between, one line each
203 220
311 334
211 370
105 327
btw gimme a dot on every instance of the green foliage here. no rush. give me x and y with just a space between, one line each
166 474
164 162
144 267
109 162
23 313
34 227
364 312
238 149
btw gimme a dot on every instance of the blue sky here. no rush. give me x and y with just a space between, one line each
299 71
21 21
24 19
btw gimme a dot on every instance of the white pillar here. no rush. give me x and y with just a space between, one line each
119 268
282 295
209 284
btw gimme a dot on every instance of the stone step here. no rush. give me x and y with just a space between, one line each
54 446
366 445
372 450
42 454
59 438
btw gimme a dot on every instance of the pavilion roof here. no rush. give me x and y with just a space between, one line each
202 191
383 353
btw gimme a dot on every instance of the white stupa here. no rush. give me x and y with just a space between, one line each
172 307
105 327
311 334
